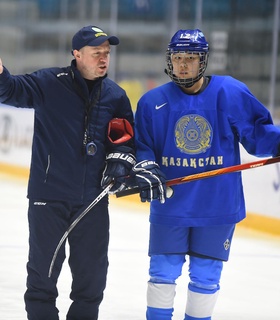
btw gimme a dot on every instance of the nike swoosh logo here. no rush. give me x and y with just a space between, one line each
162 105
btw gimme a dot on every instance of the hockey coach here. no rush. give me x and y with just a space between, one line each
82 142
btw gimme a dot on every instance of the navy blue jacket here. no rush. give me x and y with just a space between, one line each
60 169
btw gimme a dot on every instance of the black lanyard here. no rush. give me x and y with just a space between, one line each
90 104
89 146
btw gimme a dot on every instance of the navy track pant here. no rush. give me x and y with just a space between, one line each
88 259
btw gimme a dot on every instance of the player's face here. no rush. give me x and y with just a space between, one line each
93 62
185 65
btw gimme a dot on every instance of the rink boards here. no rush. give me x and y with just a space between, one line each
261 185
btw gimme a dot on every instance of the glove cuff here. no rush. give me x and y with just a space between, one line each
120 131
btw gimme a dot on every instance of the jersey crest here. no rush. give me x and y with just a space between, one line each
193 134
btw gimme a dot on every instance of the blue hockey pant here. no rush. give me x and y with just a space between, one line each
88 259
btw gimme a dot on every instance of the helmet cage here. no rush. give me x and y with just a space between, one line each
186 82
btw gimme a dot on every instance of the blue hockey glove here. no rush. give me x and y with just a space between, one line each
118 166
150 180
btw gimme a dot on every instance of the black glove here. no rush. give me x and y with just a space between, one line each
150 180
118 166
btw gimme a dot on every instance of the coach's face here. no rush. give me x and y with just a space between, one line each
93 62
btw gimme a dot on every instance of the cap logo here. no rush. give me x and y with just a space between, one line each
96 29
100 34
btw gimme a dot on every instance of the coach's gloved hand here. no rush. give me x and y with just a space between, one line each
119 163
150 180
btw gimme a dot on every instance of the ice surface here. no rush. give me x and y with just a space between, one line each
250 285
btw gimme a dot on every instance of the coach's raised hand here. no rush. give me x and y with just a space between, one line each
1 66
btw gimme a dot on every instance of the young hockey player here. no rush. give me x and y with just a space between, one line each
193 124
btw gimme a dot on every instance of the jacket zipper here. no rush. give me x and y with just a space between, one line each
48 167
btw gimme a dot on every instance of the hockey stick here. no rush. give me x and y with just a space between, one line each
207 174
75 222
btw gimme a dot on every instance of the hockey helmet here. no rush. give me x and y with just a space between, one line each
187 41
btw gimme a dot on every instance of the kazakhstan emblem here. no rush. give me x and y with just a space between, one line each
193 134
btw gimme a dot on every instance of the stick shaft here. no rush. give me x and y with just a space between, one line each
75 222
208 174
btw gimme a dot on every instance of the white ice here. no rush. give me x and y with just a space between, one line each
250 285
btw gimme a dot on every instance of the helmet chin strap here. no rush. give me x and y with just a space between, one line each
193 81
185 83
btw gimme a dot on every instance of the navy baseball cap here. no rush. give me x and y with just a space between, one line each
92 36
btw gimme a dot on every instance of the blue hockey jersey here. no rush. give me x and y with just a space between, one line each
187 134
